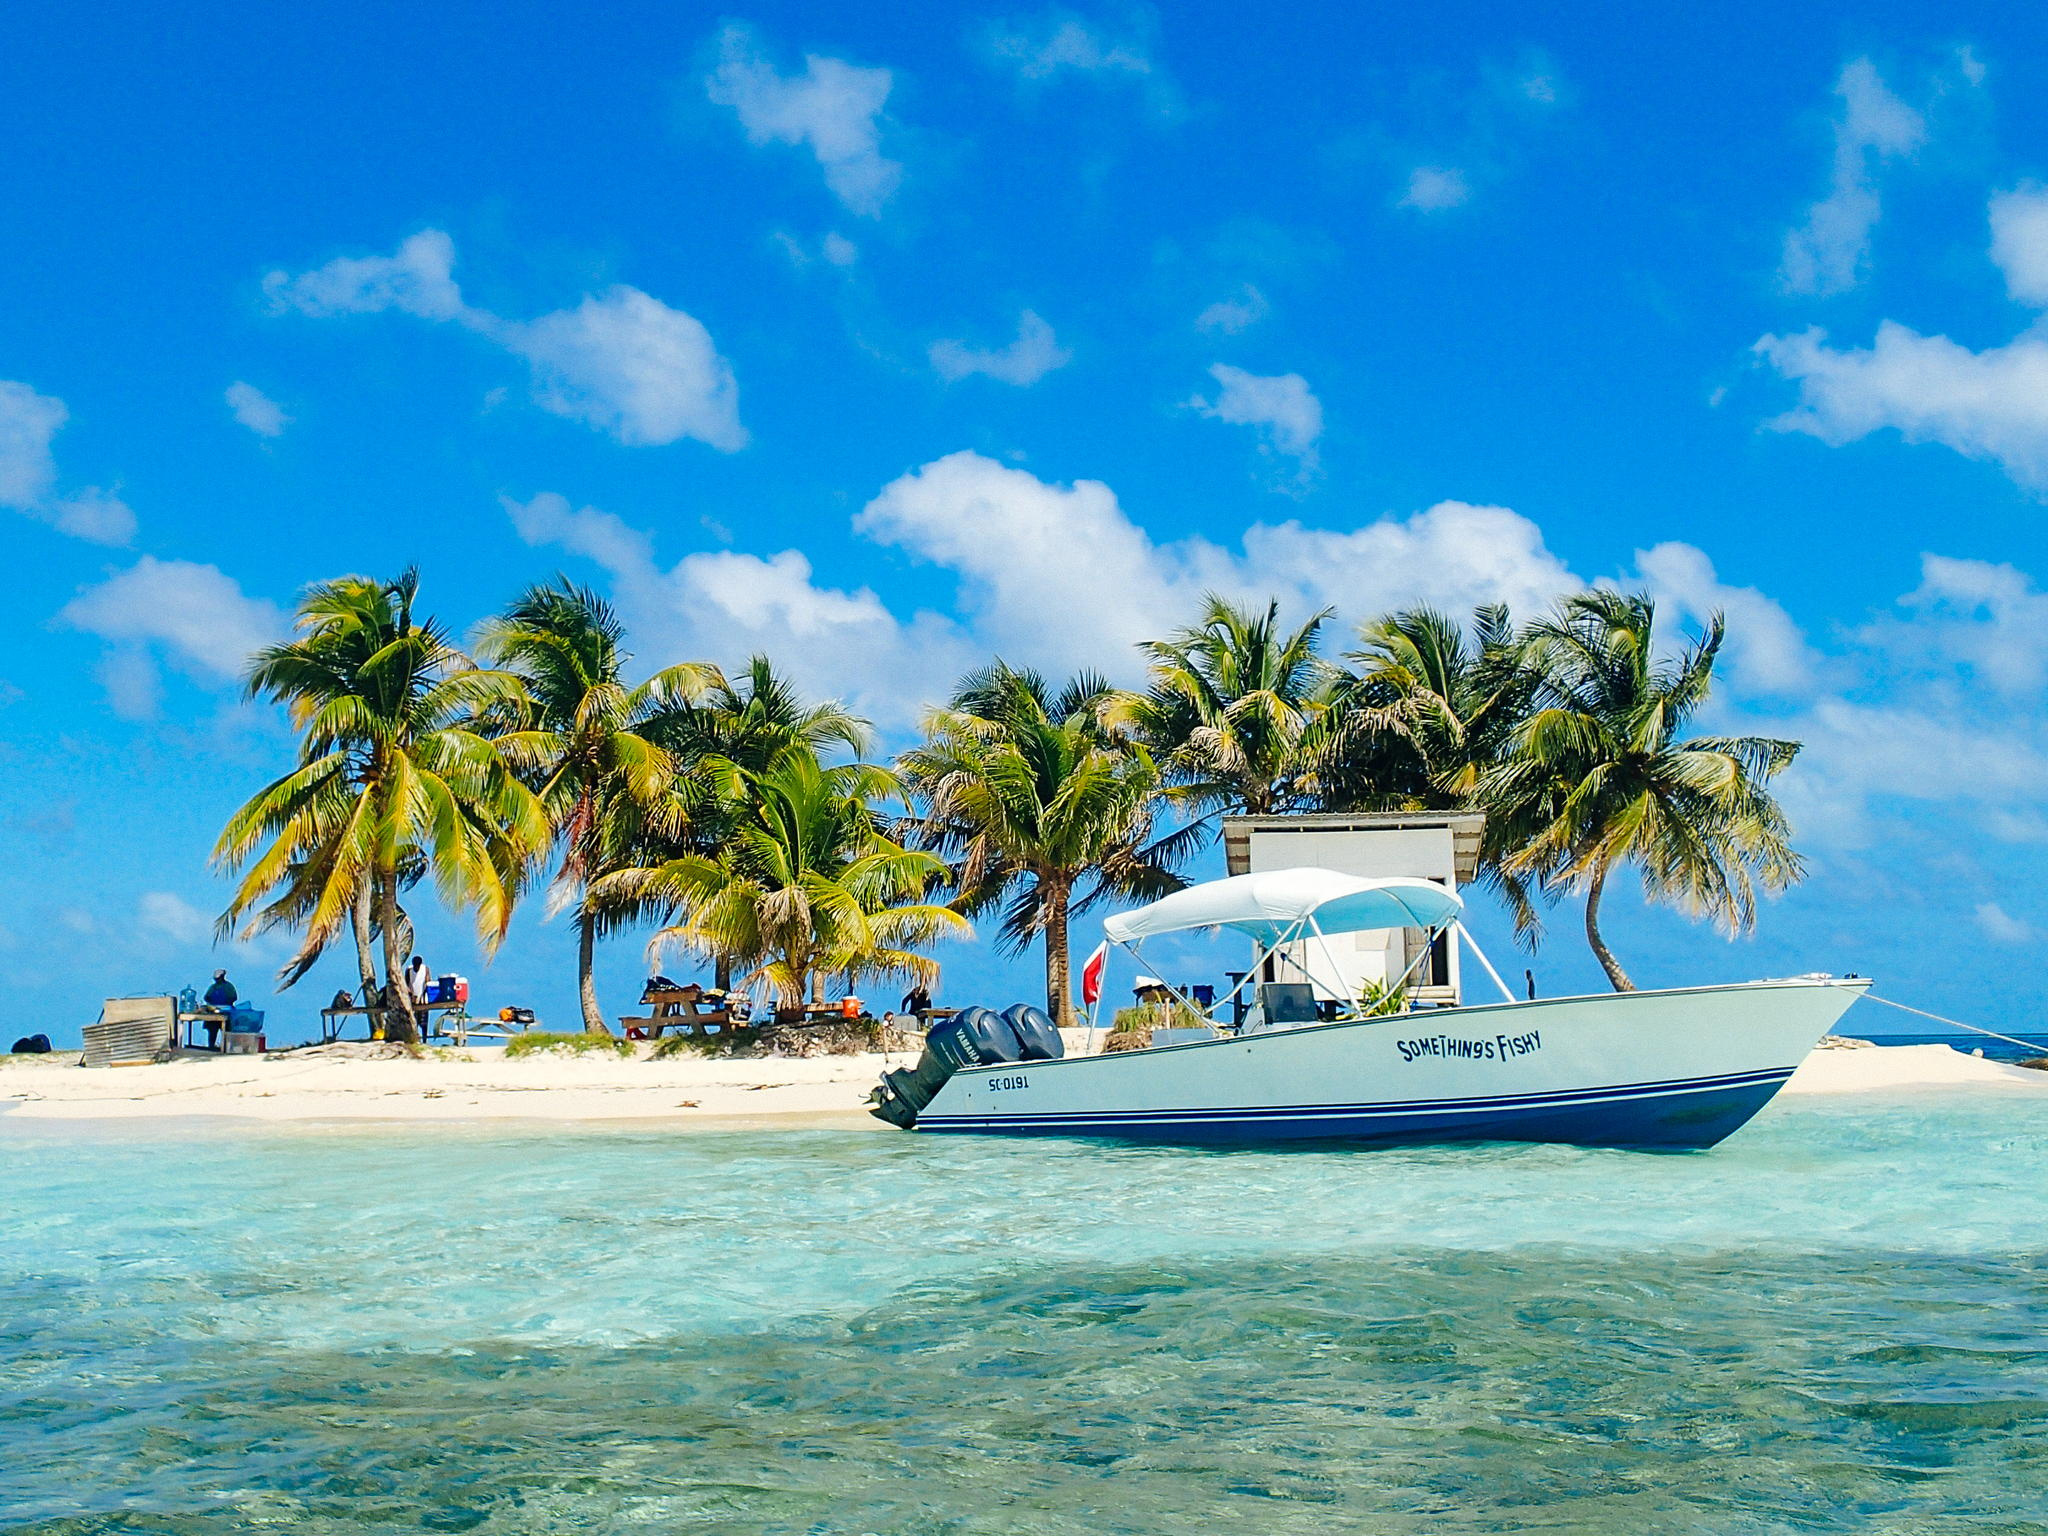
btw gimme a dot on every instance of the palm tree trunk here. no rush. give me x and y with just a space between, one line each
1059 993
586 973
399 1023
1616 976
366 949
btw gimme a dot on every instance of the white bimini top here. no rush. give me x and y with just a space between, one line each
1277 904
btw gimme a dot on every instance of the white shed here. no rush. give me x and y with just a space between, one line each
1442 846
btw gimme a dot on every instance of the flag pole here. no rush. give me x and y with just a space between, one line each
1095 963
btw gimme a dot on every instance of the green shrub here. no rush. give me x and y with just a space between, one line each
534 1041
1376 999
1168 1015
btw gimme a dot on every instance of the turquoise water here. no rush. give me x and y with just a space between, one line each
1836 1322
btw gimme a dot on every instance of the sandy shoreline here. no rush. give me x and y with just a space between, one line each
483 1085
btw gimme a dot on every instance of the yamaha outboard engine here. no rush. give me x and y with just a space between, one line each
973 1037
1037 1037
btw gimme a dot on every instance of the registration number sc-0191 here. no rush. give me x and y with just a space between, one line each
998 1084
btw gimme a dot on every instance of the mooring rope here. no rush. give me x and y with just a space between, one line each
2032 1045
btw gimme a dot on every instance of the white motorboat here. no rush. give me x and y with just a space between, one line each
1675 1068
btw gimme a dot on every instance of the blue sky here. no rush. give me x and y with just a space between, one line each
889 342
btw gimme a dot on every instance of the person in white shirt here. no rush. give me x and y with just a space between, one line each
417 979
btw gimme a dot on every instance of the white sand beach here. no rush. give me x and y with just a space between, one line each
330 1084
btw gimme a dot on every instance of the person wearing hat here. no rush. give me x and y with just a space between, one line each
221 997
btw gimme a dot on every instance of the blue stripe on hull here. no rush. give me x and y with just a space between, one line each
1672 1117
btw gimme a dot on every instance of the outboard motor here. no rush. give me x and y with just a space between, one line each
973 1037
1036 1034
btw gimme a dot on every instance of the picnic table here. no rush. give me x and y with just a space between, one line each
678 1008
455 1020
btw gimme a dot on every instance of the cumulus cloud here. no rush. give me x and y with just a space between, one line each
1059 44
1826 253
28 472
1282 409
171 916
256 410
2000 926
2019 242
1034 354
416 279
1232 315
195 617
1432 188
632 367
833 108
621 361
1767 651
1052 575
1986 620
1986 405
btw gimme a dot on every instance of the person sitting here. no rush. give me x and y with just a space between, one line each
221 997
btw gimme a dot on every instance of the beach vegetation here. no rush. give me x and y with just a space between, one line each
805 884
1233 707
536 1042
1602 775
587 744
397 773
1042 808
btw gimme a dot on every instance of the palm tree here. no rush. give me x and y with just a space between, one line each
1042 806
1602 774
395 772
1232 707
804 886
1424 716
586 746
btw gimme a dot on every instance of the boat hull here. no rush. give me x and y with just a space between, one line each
1671 1070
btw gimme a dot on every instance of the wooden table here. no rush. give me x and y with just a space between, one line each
675 1009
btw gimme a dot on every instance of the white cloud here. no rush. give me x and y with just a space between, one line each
1987 620
1986 405
1034 354
416 279
838 250
1283 410
2000 927
2019 242
194 616
256 410
1233 315
1059 44
833 107
1826 254
1767 652
28 421
28 472
620 361
632 367
549 519
172 916
1432 188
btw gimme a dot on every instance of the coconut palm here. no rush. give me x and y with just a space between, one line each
805 885
395 771
1427 711
1603 776
1042 807
1232 707
586 746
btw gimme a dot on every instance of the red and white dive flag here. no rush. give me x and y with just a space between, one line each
1091 975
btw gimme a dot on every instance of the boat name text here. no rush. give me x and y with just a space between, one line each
998 1084
1499 1048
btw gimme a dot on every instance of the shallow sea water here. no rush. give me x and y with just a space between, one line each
1838 1321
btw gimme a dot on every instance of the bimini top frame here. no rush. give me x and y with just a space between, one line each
1276 905
1281 906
